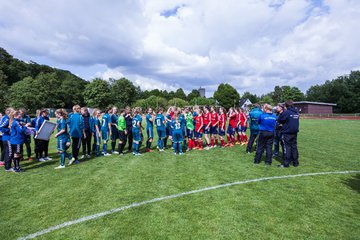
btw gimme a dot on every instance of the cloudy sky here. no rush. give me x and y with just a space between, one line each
252 44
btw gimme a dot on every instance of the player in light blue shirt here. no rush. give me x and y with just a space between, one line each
160 128
149 128
106 129
136 131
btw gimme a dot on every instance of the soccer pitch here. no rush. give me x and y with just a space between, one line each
303 207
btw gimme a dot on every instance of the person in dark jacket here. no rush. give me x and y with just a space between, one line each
267 122
290 127
278 132
86 138
129 137
254 126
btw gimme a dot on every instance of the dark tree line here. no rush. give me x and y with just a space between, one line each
33 86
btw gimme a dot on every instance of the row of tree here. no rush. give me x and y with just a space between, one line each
33 86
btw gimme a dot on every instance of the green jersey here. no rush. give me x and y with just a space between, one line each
121 123
189 121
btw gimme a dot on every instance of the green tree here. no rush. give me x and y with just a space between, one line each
227 96
284 93
123 92
153 101
344 91
180 94
177 102
266 99
3 90
202 101
252 97
26 93
193 94
97 94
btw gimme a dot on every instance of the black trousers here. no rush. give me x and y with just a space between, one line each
44 148
129 138
76 142
265 142
290 149
5 155
251 141
86 143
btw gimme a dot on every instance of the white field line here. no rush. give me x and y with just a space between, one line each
120 209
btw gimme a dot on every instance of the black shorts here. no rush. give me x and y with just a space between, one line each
122 136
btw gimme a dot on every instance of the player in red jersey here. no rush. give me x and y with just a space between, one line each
231 128
207 126
214 127
238 127
222 125
243 127
199 129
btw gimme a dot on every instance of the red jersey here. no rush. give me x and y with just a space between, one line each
199 123
232 120
214 119
243 119
207 118
238 119
222 121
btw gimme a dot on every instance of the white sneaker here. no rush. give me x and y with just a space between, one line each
59 167
42 160
206 148
181 153
82 156
107 154
138 154
48 158
161 150
71 161
115 152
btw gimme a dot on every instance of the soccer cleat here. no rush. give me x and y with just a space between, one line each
181 153
138 154
82 157
149 150
71 161
30 159
237 143
88 156
206 148
282 166
2 164
9 170
107 154
161 150
175 153
42 160
18 170
59 167
47 158
77 162
115 152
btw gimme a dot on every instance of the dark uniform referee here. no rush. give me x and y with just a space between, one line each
128 119
290 127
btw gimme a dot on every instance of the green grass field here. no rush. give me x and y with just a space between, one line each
310 207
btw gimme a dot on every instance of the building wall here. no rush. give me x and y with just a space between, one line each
314 109
320 109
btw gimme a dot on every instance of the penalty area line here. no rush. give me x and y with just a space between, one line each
133 205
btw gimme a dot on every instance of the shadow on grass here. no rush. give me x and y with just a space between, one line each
353 183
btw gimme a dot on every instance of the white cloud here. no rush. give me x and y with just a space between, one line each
253 45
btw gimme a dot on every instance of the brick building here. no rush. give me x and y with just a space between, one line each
306 107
